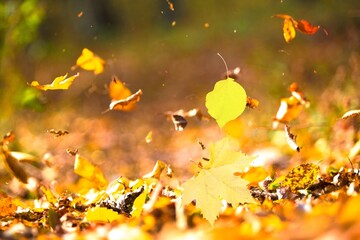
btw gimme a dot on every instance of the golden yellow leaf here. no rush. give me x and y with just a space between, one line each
59 83
255 174
289 29
138 204
86 169
101 215
90 61
302 176
50 197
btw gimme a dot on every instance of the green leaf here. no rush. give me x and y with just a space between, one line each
226 102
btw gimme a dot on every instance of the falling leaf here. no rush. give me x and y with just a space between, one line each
80 14
101 214
72 152
216 180
291 139
59 83
351 114
302 176
90 62
252 102
148 138
206 25
13 166
226 102
298 94
288 30
122 103
121 97
86 169
179 122
8 137
305 27
58 133
291 107
290 24
288 27
171 5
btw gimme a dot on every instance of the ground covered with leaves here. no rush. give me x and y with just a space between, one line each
88 155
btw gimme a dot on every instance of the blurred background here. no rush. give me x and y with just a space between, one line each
171 54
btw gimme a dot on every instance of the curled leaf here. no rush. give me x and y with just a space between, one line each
59 83
13 166
351 114
305 27
179 122
122 103
121 97
291 139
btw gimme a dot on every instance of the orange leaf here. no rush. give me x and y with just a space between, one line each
305 27
7 206
90 61
289 109
121 96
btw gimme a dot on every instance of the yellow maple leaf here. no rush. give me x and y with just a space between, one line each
90 62
59 83
216 180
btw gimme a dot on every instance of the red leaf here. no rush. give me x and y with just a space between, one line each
305 27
